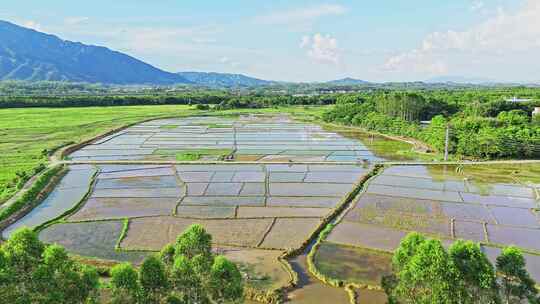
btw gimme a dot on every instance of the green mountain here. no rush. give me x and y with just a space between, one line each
26 54
223 79
347 81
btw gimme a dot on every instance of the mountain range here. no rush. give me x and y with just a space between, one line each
223 79
347 81
29 55
26 54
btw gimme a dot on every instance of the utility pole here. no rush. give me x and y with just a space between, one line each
446 142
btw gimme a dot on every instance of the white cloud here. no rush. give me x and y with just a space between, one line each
416 61
321 48
301 15
505 34
157 40
477 5
75 20
33 25
229 62
306 40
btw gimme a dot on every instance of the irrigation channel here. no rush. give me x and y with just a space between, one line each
267 188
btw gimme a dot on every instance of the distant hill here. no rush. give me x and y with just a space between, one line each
460 80
223 79
347 81
26 54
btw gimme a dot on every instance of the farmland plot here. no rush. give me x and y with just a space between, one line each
242 139
294 177
481 203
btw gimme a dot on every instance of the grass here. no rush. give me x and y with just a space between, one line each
192 155
30 134
214 125
169 127
35 194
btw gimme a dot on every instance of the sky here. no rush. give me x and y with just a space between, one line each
299 40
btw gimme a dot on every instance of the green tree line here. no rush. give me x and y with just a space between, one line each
490 129
425 272
186 272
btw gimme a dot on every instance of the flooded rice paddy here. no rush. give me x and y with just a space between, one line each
247 138
292 177
494 205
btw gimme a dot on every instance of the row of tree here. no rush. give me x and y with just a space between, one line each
186 272
425 272
220 100
409 103
496 129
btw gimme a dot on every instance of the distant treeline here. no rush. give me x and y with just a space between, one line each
479 126
223 101
483 122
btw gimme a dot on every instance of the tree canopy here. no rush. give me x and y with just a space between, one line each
31 272
425 272
184 272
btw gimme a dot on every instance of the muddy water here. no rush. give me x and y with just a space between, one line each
312 291
366 296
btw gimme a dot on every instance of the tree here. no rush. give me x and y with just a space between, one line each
225 281
188 283
516 283
477 279
153 279
185 272
194 241
423 273
71 282
428 277
406 250
31 272
125 284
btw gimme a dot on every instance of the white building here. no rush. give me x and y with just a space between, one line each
515 99
536 111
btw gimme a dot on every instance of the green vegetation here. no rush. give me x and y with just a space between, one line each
30 135
192 155
221 100
34 194
169 127
184 272
482 124
31 272
215 125
425 272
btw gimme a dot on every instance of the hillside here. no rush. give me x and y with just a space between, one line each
347 81
223 79
26 54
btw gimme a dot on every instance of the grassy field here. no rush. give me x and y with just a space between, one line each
26 135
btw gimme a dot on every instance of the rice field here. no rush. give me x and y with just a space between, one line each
248 138
264 185
292 177
493 205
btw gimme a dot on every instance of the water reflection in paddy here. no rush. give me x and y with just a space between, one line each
492 204
70 191
276 139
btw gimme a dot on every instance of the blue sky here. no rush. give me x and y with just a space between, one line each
385 40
